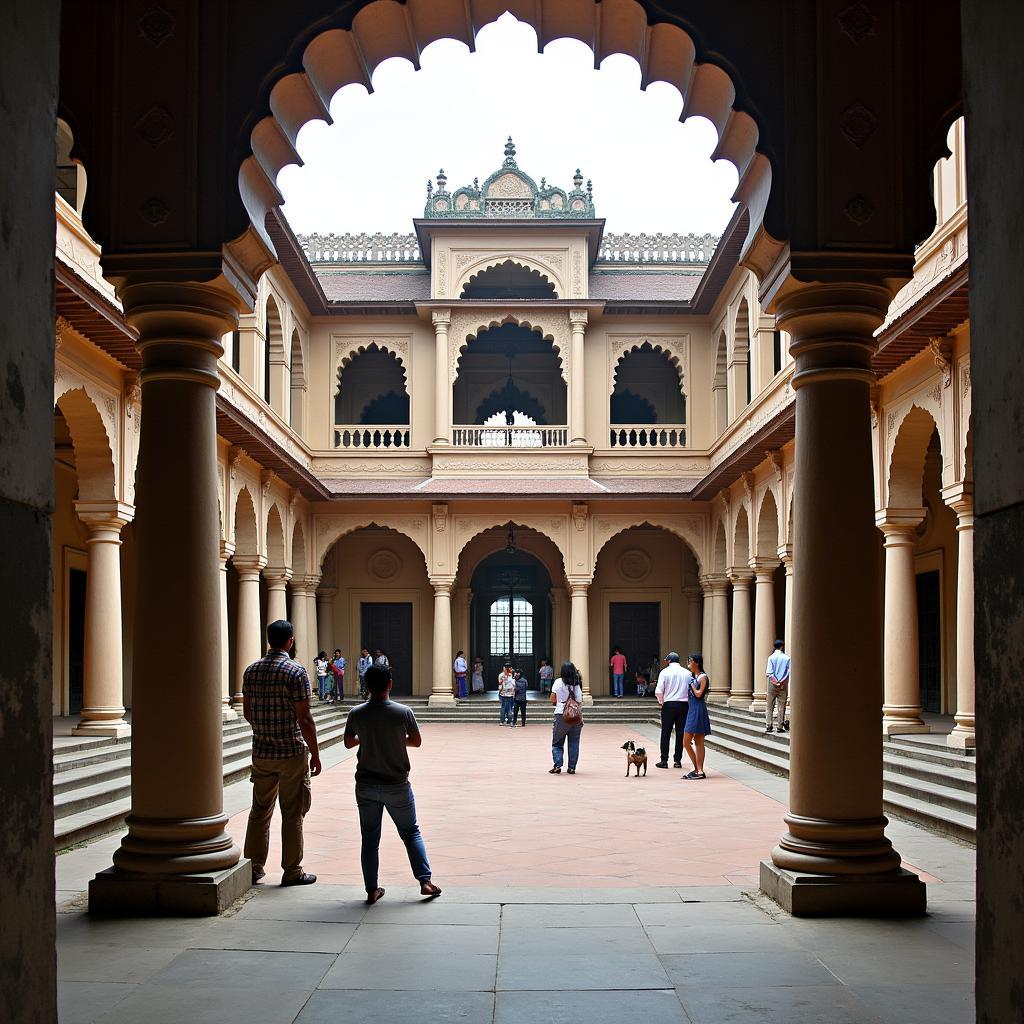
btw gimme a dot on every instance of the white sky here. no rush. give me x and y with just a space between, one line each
368 171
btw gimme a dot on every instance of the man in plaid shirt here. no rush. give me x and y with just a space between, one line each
275 702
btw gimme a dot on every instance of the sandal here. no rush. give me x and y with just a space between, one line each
428 889
700 775
691 775
372 897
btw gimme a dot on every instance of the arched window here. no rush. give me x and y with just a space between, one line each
511 626
371 390
508 280
647 384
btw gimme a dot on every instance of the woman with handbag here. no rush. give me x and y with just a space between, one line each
698 721
567 696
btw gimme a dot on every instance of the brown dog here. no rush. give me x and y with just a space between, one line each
635 756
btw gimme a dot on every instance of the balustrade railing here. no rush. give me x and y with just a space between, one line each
372 437
646 435
510 437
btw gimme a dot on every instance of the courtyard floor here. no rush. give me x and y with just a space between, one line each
566 898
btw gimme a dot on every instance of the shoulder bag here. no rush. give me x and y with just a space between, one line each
572 709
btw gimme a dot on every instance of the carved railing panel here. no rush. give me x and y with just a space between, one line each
647 435
510 437
377 438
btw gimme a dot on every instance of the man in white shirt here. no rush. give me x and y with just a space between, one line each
778 686
673 693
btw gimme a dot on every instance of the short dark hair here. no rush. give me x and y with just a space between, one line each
279 632
378 679
779 643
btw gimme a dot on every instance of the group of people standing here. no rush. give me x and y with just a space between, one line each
330 673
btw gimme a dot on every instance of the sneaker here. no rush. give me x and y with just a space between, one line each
572 771
302 879
677 764
554 771
691 775
768 730
661 764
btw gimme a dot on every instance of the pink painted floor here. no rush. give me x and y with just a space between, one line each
491 815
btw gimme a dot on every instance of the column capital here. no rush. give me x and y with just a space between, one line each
785 554
763 566
227 549
831 325
302 584
105 515
899 523
578 317
248 565
326 592
277 575
960 498
740 578
442 584
715 582
580 585
441 318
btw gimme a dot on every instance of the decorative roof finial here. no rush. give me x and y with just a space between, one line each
476 184
577 179
430 187
510 153
543 184
442 180
590 189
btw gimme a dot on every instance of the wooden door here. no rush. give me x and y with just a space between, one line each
929 638
388 626
76 640
634 626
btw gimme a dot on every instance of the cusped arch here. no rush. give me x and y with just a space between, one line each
94 455
905 476
329 529
544 273
685 528
466 530
465 329
674 351
298 550
247 537
276 554
337 57
768 527
720 550
550 554
741 538
391 346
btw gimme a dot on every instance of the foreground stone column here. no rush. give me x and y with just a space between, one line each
300 589
835 857
313 631
764 632
442 318
249 639
276 579
177 856
579 633
694 608
325 619
742 692
577 404
963 735
227 712
901 712
786 554
103 704
719 667
705 631
441 684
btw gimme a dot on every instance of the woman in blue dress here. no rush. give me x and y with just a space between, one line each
698 722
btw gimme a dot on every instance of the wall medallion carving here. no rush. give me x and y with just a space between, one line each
858 124
635 565
384 565
156 25
857 22
859 210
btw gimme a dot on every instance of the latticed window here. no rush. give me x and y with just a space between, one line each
511 620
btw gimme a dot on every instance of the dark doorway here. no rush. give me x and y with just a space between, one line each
389 627
511 614
76 640
929 640
635 626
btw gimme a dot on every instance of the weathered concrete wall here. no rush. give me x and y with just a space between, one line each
993 85
28 90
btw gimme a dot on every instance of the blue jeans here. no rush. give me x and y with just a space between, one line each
505 712
559 731
617 680
371 799
321 686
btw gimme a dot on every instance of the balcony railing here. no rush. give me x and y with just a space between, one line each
645 435
375 438
510 437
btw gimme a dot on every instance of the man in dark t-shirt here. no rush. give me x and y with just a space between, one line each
383 730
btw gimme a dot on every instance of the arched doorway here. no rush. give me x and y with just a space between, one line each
510 614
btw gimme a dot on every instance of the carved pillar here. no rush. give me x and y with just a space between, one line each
103 710
835 856
901 712
706 618
786 554
301 590
742 692
577 405
764 631
176 826
694 609
460 624
325 619
962 502
313 629
719 667
227 712
560 628
249 639
441 684
442 318
276 579
579 632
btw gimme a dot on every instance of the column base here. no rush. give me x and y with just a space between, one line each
719 697
758 705
903 727
441 700
740 701
110 730
893 894
962 739
129 893
228 713
588 700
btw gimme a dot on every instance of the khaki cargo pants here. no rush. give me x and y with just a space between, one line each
287 779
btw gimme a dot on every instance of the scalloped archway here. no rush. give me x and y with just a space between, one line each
537 271
690 529
905 471
94 456
329 529
465 328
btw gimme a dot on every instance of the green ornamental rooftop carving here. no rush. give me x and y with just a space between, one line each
509 194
